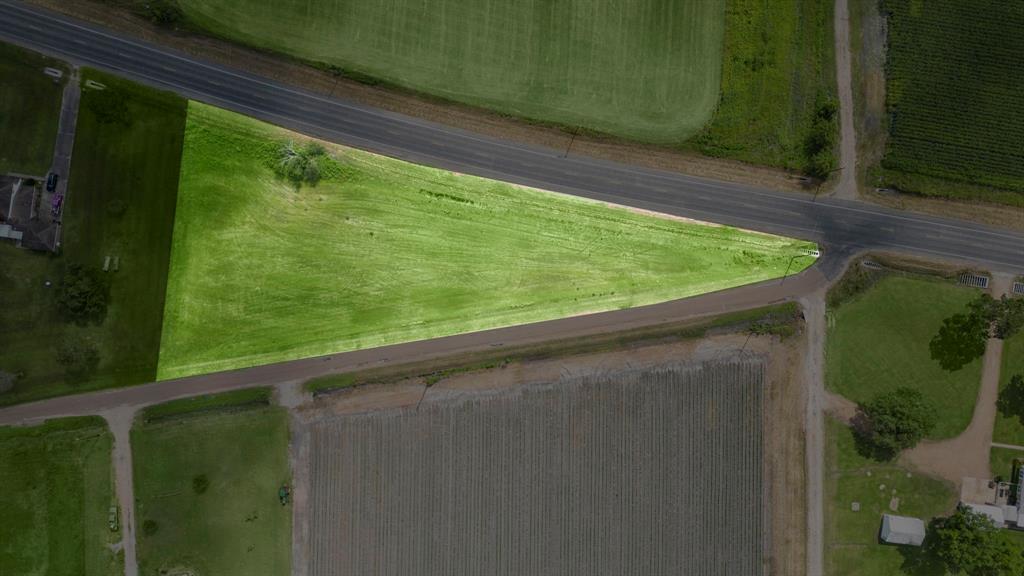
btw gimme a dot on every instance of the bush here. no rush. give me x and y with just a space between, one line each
299 164
83 295
200 483
79 357
894 421
819 146
163 12
150 527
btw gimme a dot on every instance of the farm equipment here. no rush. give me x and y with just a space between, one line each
113 521
284 495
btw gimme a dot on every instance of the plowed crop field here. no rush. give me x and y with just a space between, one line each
645 473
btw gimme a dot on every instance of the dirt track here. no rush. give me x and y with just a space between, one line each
847 186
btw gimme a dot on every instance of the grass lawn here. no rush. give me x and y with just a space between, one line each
954 116
237 525
57 488
648 69
1010 429
29 111
121 203
852 538
880 342
383 251
778 57
1001 462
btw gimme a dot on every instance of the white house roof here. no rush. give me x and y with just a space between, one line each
995 513
902 530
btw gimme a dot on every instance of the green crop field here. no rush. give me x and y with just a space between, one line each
56 487
852 546
880 342
121 203
1009 427
955 91
207 490
383 251
29 111
778 58
648 69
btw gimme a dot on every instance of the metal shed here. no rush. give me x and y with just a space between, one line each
902 530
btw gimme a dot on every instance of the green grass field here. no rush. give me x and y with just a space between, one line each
382 251
237 525
880 342
648 70
29 111
778 57
56 487
1001 462
954 115
852 545
1010 429
123 194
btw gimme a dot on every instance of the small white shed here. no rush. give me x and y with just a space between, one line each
902 530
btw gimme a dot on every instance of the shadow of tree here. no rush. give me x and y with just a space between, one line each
1011 399
923 560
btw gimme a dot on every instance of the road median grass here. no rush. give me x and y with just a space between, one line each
206 489
380 251
56 488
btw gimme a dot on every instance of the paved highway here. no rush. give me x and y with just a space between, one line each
838 224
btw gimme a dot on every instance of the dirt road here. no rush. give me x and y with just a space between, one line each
742 298
847 186
120 422
814 366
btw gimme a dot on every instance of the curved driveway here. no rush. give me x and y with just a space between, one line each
844 224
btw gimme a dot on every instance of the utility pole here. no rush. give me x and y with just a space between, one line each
571 140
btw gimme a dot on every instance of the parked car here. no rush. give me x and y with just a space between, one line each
51 182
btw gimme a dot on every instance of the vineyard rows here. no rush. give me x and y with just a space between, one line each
645 473
956 90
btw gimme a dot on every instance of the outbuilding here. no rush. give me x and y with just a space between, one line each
902 530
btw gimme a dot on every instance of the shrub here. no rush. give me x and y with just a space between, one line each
162 12
83 295
819 146
200 483
299 164
894 421
150 527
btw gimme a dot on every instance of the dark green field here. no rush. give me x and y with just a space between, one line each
56 487
124 181
231 524
955 95
778 58
29 111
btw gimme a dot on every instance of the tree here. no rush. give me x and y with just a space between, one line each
83 294
299 164
960 341
895 420
968 542
80 358
1011 398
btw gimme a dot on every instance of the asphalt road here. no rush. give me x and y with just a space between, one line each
838 224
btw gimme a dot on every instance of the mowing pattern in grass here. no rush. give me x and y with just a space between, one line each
654 472
29 111
955 92
121 203
879 342
778 59
382 251
852 545
648 69
1009 427
56 488
229 522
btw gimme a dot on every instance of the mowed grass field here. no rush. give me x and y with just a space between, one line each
779 56
56 487
955 91
124 180
1009 429
646 69
29 111
879 342
383 251
852 544
236 525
